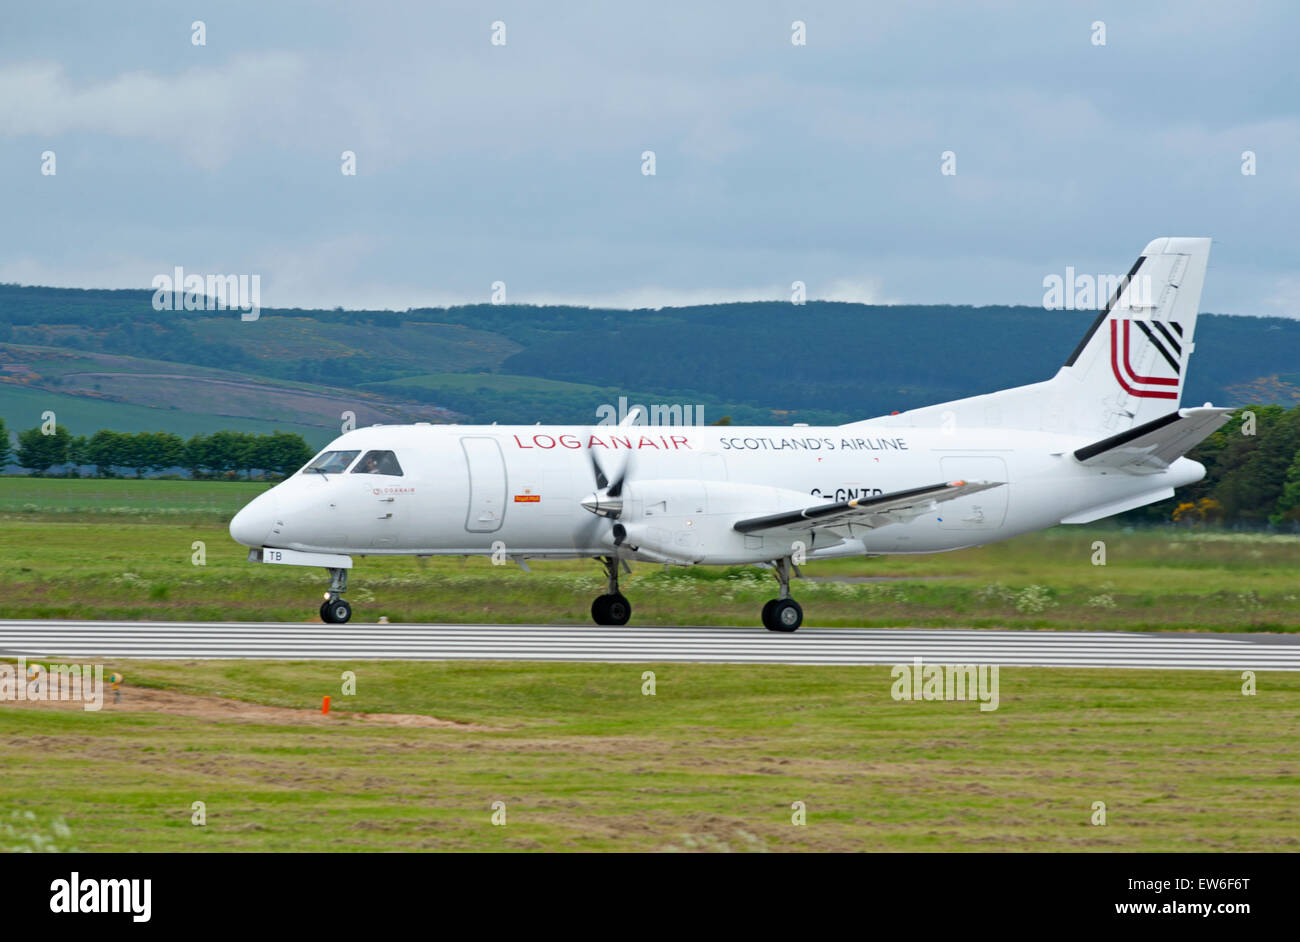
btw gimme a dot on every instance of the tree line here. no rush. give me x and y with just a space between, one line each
111 454
1252 474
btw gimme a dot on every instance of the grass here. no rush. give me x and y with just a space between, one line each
424 346
502 382
148 499
21 408
139 561
125 549
584 761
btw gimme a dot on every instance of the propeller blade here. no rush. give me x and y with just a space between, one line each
607 500
616 489
602 482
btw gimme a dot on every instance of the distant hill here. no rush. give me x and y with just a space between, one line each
99 356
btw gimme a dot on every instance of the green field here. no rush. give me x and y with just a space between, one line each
27 498
21 408
504 398
142 566
713 761
124 549
502 383
584 761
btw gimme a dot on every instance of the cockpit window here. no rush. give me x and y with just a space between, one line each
378 462
331 462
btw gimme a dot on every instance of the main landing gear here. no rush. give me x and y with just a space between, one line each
783 613
611 608
334 610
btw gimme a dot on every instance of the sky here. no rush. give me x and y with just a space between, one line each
522 163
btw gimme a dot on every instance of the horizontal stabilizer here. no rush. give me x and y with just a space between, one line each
1153 446
867 511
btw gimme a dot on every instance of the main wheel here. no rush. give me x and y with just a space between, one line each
611 610
782 615
335 611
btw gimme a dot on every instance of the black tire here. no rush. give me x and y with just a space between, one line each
611 610
767 613
620 609
336 612
784 615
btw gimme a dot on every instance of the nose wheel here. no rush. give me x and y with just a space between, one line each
335 610
612 608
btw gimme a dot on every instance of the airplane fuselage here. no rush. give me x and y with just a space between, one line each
518 490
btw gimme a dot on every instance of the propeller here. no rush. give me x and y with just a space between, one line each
607 500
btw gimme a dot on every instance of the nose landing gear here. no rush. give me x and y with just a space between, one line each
335 610
612 608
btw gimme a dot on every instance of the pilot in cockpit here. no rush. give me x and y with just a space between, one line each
378 462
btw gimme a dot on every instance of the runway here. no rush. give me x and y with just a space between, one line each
631 644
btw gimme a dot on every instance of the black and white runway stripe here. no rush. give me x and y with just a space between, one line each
632 644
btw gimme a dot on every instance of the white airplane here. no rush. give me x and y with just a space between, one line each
1103 436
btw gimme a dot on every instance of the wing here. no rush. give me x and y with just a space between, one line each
1152 446
867 511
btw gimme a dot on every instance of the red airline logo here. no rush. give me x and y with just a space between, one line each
1144 387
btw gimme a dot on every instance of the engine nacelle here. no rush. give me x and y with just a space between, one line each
688 522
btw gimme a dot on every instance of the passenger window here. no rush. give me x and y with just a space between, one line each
331 462
378 462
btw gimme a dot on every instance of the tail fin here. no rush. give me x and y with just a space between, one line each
1128 370
1131 365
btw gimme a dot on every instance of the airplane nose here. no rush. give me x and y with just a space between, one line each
252 525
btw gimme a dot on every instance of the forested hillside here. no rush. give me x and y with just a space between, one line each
108 360
825 361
